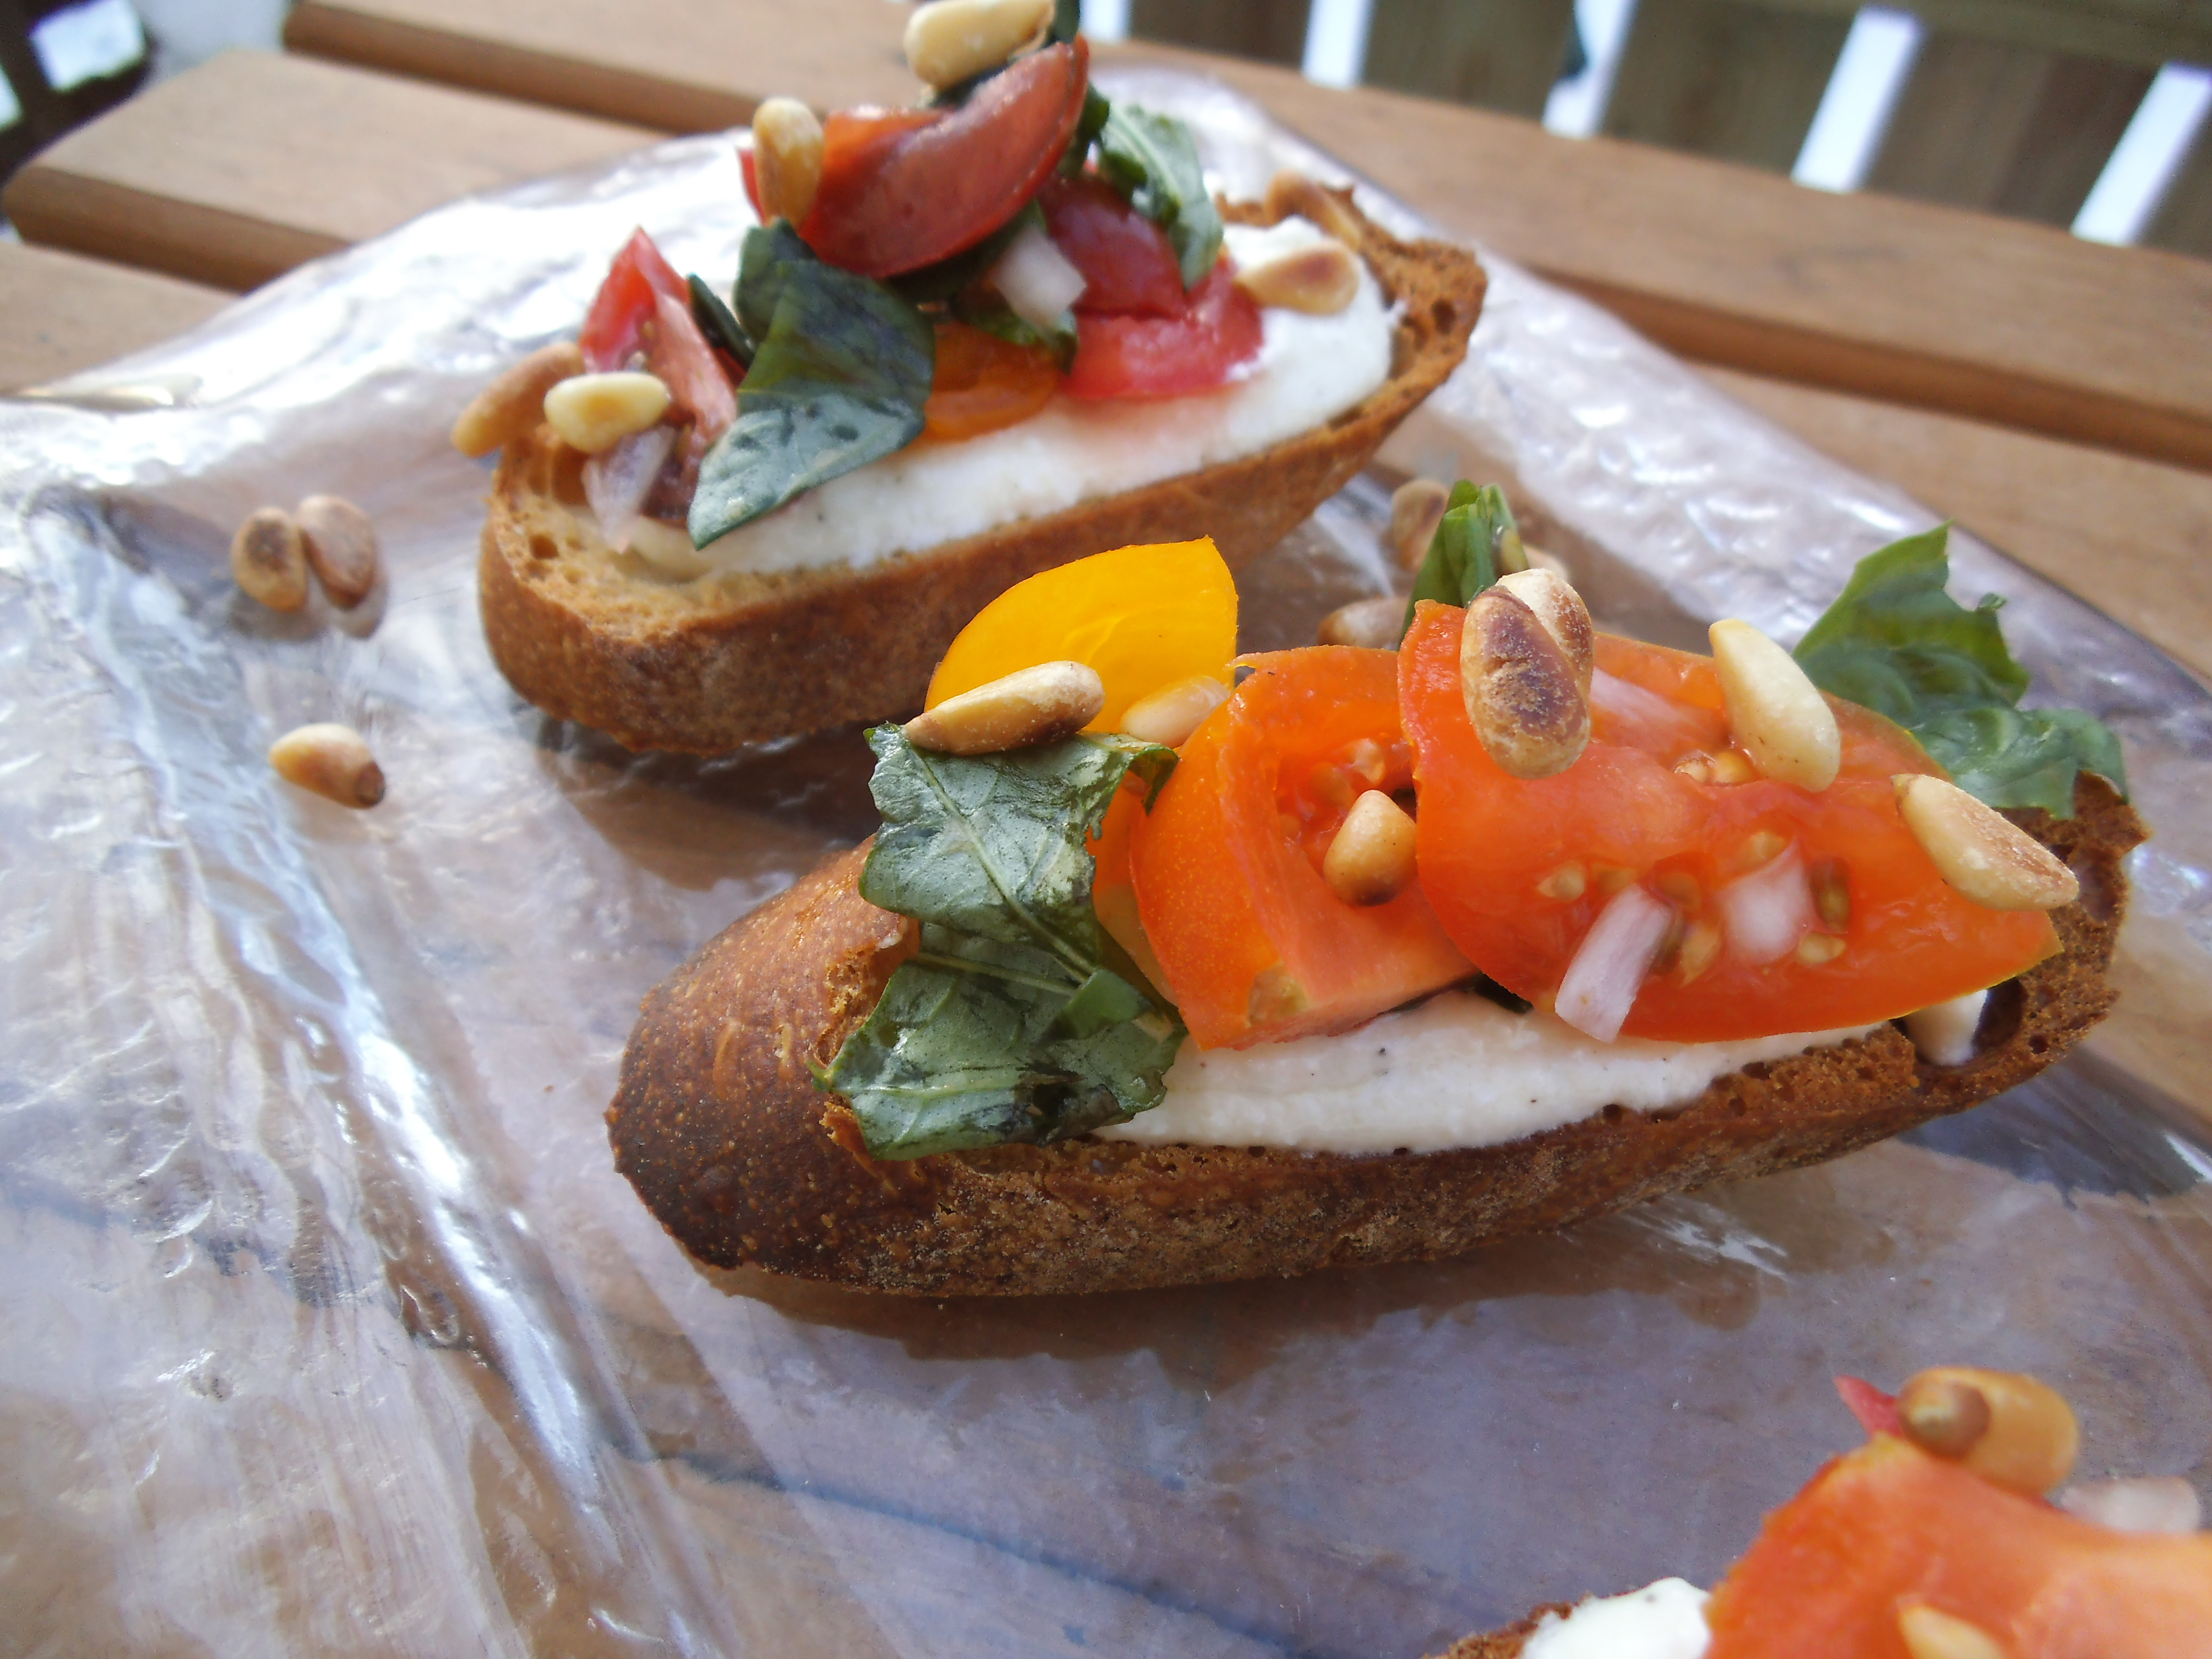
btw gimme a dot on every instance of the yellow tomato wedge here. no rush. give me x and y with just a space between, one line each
1143 617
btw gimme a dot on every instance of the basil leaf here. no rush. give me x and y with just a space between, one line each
1018 1019
1475 542
988 311
717 322
1096 109
1895 641
1152 160
933 284
1066 20
839 378
967 1048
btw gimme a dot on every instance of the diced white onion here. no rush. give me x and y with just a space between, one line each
2158 1504
616 481
1035 278
1609 965
1623 712
1765 913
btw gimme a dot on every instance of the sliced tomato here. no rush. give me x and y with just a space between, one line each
903 189
983 383
1518 870
1128 265
644 307
1889 1528
1254 944
1196 350
615 325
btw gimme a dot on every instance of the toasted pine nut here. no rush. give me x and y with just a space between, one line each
787 155
1370 861
595 412
1701 949
1292 192
341 545
1979 851
1172 713
269 559
1560 608
1416 508
1780 715
1372 624
332 760
1817 950
2004 1426
512 406
949 40
1929 1634
1029 706
1566 884
1522 694
1320 279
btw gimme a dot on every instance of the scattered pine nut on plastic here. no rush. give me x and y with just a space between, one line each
332 760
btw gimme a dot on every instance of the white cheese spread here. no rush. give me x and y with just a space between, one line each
1665 1620
1458 1071
1944 1033
1309 369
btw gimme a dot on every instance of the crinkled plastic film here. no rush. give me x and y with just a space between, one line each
332 1330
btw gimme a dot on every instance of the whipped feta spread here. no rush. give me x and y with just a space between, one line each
1665 1620
1309 369
1458 1071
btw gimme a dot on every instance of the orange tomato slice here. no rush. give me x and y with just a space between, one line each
983 383
1843 920
1143 617
1227 868
1890 1526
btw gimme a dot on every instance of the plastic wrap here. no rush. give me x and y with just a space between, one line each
332 1330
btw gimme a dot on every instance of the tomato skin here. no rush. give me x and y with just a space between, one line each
643 306
983 383
903 189
1217 330
613 327
1486 841
1889 1525
1128 265
1254 944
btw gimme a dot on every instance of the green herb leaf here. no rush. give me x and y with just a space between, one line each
839 378
987 311
1012 1022
1475 542
718 322
1096 109
1152 160
933 284
1895 641
1066 20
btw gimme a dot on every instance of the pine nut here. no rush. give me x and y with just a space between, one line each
950 40
1566 884
1980 852
1370 861
1929 1634
511 407
595 412
1560 608
332 760
1416 508
1029 706
1172 713
1521 691
269 559
2004 1426
1701 948
1320 279
1292 192
787 155
1780 715
1370 624
341 545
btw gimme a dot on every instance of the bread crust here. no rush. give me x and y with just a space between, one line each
588 636
719 1124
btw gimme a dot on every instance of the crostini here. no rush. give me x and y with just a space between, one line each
1934 1540
967 342
1166 969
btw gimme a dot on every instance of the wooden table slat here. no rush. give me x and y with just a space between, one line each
2005 322
66 314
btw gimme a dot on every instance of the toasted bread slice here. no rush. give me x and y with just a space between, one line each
592 635
721 1128
1505 1644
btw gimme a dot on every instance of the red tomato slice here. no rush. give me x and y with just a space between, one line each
644 306
903 189
1254 944
623 304
1217 330
1519 870
1128 265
